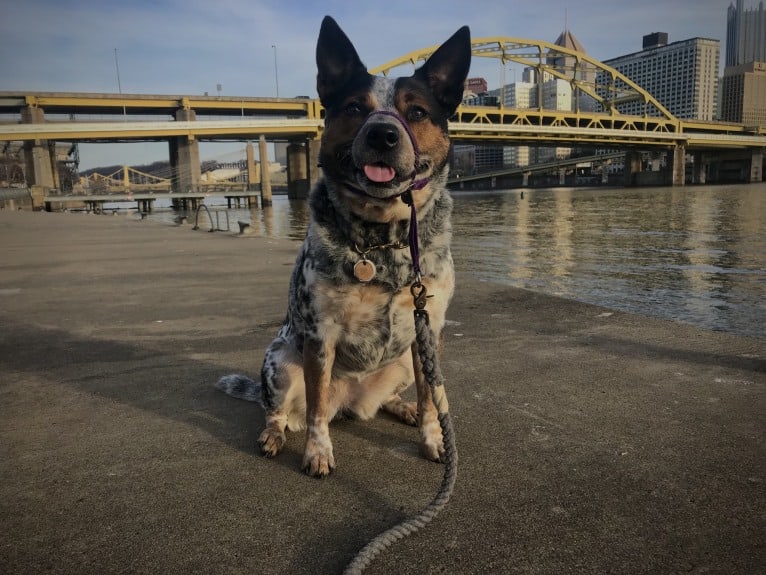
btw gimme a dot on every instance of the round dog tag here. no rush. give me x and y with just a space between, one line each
364 270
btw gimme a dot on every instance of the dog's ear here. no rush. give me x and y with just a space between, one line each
447 68
337 61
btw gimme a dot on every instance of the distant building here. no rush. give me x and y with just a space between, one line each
743 91
744 94
475 86
520 96
655 40
745 34
569 65
682 76
483 99
557 95
483 158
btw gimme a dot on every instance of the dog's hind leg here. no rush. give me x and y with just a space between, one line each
405 411
401 372
273 437
283 396
382 389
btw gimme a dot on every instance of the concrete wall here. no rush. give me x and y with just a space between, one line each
15 199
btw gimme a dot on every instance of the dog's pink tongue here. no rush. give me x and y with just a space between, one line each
379 173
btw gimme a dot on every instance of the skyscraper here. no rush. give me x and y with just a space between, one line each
745 34
743 94
682 76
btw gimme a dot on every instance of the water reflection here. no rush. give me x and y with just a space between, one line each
693 254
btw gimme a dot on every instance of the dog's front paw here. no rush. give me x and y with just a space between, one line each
431 441
271 442
318 460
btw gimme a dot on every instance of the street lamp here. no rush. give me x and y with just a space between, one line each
276 71
119 85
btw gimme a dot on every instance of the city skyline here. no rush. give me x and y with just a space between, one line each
177 47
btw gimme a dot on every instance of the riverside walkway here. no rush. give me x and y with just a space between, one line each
590 441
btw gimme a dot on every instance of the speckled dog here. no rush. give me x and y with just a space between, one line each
346 343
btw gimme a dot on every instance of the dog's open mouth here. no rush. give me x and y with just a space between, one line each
379 173
383 182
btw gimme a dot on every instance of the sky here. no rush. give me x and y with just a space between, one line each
248 47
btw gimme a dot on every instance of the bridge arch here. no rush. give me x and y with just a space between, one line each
596 87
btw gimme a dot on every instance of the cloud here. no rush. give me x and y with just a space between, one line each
178 46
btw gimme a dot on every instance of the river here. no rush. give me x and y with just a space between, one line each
693 254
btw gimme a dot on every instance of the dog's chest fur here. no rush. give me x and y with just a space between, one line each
371 324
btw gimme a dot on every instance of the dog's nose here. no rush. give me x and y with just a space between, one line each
382 137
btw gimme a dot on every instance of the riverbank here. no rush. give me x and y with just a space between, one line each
591 441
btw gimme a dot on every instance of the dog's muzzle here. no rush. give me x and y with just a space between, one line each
387 155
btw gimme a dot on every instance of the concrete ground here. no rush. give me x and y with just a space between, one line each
590 441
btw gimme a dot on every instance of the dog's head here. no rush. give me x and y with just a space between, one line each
384 136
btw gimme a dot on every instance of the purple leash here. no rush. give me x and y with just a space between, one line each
406 196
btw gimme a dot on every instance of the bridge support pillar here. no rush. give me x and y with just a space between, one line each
679 165
700 168
39 160
632 167
300 175
265 174
297 179
184 158
253 175
756 166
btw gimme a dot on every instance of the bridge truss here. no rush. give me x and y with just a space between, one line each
601 97
599 92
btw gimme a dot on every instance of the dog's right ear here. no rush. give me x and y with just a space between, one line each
446 69
337 61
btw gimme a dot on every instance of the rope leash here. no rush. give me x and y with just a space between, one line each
430 371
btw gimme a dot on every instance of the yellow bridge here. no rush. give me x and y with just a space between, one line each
599 93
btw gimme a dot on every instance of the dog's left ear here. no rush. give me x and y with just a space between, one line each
337 62
447 68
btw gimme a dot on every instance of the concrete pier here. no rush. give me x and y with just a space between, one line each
699 175
184 157
263 159
632 167
756 163
591 441
253 169
679 165
39 159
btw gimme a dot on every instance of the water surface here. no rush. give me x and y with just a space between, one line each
693 254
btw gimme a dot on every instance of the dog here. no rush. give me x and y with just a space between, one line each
346 346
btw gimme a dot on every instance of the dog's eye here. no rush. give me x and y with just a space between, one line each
416 114
352 109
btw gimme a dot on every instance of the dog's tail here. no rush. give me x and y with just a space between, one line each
241 387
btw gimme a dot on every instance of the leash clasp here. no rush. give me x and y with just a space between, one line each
419 297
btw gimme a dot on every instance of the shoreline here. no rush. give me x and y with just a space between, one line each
692 305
